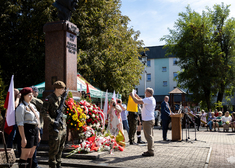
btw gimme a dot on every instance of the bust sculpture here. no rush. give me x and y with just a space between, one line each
65 8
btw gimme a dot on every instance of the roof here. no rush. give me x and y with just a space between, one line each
81 84
156 52
176 91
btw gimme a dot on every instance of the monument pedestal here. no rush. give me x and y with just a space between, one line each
60 55
176 127
60 58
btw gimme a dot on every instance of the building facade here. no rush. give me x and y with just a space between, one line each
160 73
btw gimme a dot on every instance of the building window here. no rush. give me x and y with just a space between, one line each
148 63
174 61
164 83
175 74
163 69
148 77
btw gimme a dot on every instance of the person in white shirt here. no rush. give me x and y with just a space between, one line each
148 119
226 121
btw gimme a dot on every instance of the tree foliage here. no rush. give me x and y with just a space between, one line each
225 37
108 54
197 40
22 45
2 91
108 50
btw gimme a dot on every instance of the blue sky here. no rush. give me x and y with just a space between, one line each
153 17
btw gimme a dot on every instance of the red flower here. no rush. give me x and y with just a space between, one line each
92 122
120 148
96 121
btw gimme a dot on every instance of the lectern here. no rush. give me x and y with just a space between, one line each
176 127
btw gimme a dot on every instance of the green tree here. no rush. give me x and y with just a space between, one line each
22 45
192 42
2 91
224 35
108 55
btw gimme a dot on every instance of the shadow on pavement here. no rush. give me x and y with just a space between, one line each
118 159
162 142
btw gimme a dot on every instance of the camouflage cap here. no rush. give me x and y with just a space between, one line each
59 84
35 89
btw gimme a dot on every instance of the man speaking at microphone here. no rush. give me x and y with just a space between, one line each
165 116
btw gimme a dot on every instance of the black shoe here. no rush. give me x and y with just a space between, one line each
147 154
166 140
133 143
141 142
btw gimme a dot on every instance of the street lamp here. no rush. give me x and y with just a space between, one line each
144 61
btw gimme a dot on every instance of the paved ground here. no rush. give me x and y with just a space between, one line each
212 149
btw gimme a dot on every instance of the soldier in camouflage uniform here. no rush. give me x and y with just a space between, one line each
56 140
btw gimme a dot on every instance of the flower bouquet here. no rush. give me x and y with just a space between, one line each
96 143
94 117
75 115
227 122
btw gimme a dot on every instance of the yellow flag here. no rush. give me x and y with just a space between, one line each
131 105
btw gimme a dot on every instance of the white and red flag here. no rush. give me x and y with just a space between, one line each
106 104
10 107
114 97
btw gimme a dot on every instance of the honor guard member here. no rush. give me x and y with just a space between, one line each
56 139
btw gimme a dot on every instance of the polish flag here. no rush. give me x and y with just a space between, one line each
10 107
114 97
106 104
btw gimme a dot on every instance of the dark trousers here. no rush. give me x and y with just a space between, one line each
165 124
18 137
11 137
132 120
35 161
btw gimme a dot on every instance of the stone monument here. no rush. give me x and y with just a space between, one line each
61 51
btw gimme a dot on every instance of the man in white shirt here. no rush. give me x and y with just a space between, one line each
148 119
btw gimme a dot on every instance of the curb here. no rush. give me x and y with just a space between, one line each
43 162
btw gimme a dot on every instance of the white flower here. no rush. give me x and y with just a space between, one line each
87 117
87 149
83 144
93 115
106 147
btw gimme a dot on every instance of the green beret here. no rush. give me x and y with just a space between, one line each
59 84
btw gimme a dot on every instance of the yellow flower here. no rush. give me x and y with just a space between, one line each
69 113
67 108
80 124
79 110
75 125
71 123
77 128
75 117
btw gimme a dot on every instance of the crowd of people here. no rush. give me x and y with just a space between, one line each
30 112
214 120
